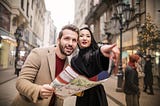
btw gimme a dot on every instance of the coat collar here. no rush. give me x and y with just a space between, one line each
52 61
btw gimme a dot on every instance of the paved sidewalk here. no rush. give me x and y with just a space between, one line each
118 98
7 75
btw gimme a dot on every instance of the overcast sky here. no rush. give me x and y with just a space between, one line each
62 11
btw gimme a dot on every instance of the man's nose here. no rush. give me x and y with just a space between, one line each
70 42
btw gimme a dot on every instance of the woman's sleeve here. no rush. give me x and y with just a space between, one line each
99 60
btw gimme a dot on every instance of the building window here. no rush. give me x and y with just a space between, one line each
14 21
31 21
22 5
27 9
128 2
32 5
4 18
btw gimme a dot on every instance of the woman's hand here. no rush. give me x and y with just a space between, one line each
111 51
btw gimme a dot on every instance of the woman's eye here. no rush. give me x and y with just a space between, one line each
80 35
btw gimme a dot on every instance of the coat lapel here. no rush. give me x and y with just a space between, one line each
66 63
52 64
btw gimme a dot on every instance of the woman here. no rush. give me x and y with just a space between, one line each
131 86
90 61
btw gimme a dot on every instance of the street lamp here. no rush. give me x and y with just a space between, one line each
0 42
123 14
18 35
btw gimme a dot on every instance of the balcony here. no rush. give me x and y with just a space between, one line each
95 12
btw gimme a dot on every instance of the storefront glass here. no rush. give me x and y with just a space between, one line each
7 53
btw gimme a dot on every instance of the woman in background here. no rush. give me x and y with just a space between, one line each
131 86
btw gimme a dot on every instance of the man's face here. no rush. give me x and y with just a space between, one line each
68 42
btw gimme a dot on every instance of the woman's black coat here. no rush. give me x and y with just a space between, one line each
89 63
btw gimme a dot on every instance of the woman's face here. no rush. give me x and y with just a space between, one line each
84 39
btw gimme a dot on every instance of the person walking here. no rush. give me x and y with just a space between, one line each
40 69
131 85
140 69
19 66
90 61
148 78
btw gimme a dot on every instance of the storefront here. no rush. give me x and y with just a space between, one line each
7 51
7 41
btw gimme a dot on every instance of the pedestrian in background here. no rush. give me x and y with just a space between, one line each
19 66
148 78
139 64
40 69
139 67
90 61
131 85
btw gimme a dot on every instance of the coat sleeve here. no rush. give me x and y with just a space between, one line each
25 83
130 77
97 63
101 61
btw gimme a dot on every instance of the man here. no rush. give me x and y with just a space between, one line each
40 69
148 78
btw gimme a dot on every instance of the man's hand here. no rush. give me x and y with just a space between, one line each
46 91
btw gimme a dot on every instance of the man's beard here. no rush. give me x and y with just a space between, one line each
62 50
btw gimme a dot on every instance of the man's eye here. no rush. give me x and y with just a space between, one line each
74 40
66 38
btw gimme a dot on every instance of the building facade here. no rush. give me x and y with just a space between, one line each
22 28
49 31
99 17
82 8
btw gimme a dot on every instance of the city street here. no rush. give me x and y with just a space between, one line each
119 97
8 92
133 25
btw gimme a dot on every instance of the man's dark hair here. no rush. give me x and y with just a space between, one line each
70 27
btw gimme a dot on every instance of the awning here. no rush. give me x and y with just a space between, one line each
7 38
